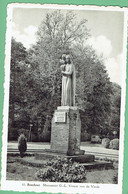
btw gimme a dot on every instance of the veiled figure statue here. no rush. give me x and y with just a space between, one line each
68 81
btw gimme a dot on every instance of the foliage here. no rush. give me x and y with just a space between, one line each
106 142
85 136
115 178
22 144
56 34
34 138
35 82
25 93
60 33
94 89
95 139
62 170
45 136
12 134
18 59
23 131
114 144
115 108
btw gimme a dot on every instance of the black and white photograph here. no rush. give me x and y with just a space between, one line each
65 72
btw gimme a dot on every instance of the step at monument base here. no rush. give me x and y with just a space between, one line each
82 158
88 165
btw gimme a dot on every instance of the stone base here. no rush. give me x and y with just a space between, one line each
91 165
76 153
48 154
66 130
87 158
65 136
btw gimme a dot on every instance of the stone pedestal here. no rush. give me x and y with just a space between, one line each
65 137
66 131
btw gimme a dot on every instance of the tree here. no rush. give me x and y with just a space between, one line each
56 34
93 90
38 81
18 58
115 108
60 33
24 91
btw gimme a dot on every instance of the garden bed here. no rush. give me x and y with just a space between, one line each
26 172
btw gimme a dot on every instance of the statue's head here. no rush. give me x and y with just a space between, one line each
64 57
68 59
62 62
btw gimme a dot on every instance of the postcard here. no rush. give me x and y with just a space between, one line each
64 100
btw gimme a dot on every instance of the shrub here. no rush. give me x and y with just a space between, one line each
62 170
22 145
106 142
95 139
34 137
114 144
45 136
115 178
24 131
85 136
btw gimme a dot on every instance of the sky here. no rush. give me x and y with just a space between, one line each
106 28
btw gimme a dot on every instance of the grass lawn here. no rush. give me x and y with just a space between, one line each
18 171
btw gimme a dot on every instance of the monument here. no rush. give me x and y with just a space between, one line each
66 124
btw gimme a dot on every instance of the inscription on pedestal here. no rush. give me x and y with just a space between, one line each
60 117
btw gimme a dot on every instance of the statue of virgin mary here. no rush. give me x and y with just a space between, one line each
68 82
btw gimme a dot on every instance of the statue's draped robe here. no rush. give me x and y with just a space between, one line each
68 86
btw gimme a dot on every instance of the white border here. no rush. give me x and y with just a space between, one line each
60 187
